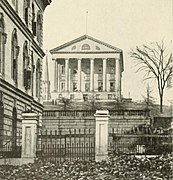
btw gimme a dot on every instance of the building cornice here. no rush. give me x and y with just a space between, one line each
85 52
20 24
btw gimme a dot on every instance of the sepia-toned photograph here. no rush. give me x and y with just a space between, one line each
86 90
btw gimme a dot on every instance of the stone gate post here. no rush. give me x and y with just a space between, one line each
101 135
29 136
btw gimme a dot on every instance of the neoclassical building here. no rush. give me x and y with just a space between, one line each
87 67
21 54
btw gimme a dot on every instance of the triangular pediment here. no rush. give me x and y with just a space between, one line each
85 44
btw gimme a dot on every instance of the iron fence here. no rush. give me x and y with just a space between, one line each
144 141
56 146
10 145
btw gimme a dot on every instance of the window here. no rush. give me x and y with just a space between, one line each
97 48
32 73
73 48
100 86
85 97
62 70
62 86
100 68
110 96
38 78
34 24
97 96
26 11
39 27
71 96
111 86
3 37
1 116
85 47
1 121
14 54
26 67
87 86
74 86
14 127
15 4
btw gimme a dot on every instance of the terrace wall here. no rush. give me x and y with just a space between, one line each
84 119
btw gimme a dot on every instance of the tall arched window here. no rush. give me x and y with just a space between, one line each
38 78
26 11
32 73
1 117
3 37
26 67
14 54
39 27
33 20
14 126
1 122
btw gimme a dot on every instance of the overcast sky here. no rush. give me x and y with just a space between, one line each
122 23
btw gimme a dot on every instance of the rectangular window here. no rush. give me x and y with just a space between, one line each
71 96
85 97
74 86
97 96
100 86
62 86
87 86
62 70
110 96
112 86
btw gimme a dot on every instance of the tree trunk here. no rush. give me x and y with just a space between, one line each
161 103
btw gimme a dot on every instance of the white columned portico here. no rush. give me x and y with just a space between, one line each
91 74
104 74
66 74
118 78
55 75
79 74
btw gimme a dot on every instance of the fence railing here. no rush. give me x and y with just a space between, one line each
10 145
141 141
56 146
90 113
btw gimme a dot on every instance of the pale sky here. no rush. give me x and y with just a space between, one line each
122 23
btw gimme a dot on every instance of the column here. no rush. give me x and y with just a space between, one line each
66 74
69 86
104 74
58 74
55 76
29 137
79 75
118 78
91 74
101 135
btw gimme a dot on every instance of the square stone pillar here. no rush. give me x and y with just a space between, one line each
29 136
101 135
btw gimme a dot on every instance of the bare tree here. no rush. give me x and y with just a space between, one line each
156 62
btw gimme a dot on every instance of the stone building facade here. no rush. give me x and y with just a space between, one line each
21 54
87 67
